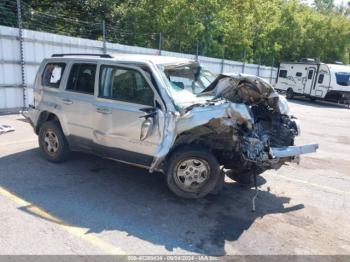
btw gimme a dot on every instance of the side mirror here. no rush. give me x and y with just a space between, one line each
146 128
150 112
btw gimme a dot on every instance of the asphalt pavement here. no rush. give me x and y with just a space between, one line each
90 205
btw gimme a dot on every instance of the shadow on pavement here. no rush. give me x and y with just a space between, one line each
103 195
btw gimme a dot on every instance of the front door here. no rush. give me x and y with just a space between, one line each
311 72
126 105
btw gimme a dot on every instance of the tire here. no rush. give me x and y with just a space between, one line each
312 98
192 172
52 142
290 93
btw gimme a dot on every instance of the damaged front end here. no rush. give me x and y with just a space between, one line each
240 118
268 142
245 123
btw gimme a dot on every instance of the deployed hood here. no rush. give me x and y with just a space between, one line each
244 117
246 89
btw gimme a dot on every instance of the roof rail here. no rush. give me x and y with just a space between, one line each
81 54
308 60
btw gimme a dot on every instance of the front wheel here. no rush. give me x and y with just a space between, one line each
192 172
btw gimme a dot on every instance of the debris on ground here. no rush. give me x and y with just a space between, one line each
5 129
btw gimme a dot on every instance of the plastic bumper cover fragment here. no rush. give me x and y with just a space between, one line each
290 151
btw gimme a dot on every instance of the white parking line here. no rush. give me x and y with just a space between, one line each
19 142
77 231
326 188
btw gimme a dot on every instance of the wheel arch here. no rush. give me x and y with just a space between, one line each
44 117
205 138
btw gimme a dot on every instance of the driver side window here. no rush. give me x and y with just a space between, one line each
124 84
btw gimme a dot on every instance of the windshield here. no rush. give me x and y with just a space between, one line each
343 78
186 81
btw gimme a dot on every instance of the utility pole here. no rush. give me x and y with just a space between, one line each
104 36
223 61
244 58
272 66
20 37
160 44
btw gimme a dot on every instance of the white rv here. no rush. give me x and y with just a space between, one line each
314 80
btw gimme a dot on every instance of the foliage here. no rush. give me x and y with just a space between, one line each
260 31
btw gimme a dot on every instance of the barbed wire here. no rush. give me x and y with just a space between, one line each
28 7
38 20
46 21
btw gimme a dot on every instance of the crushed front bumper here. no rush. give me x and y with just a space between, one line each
292 151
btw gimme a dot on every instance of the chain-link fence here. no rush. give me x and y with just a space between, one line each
37 20
16 12
30 35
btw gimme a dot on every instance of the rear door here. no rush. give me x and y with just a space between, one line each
77 101
126 104
311 74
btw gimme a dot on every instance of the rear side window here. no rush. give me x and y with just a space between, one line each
320 78
283 74
52 74
125 85
82 78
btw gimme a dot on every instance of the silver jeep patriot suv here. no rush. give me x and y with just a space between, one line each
165 114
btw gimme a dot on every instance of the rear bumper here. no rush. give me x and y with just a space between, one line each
31 115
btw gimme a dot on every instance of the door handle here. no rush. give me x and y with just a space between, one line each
67 101
103 110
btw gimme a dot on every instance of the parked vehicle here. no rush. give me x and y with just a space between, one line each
314 80
165 114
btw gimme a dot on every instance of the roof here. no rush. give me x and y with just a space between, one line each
155 59
300 63
339 68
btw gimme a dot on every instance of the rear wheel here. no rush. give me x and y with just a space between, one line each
52 142
290 93
192 172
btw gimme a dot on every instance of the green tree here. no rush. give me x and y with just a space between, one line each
259 31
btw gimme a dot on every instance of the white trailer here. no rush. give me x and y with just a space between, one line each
314 80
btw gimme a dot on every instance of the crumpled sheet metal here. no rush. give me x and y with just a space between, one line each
198 116
168 136
242 88
229 114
